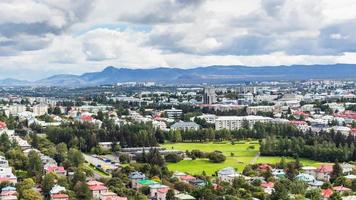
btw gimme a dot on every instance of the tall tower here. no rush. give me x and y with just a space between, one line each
209 96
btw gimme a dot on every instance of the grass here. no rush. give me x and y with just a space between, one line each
96 170
243 155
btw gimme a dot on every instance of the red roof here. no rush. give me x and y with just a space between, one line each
92 183
163 190
8 193
97 187
267 185
59 196
341 188
297 123
54 168
325 169
2 125
86 118
187 178
326 193
347 114
5 179
264 167
300 113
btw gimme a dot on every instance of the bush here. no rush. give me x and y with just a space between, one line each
216 157
173 158
124 158
197 154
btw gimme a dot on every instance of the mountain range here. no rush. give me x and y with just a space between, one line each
211 74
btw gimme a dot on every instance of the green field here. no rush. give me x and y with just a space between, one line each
242 156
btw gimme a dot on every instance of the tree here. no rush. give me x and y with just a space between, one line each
172 157
314 194
336 196
170 195
280 192
35 165
48 182
82 191
337 171
31 194
26 184
75 157
216 157
155 158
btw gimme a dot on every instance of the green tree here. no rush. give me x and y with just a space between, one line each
35 165
31 194
48 181
82 191
75 157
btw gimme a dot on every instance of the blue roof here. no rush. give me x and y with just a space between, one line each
137 175
305 177
9 188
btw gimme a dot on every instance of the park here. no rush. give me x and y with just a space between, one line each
238 155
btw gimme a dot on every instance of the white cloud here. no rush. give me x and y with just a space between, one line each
43 37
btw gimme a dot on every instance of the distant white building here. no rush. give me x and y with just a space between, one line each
15 109
40 109
185 126
173 113
236 122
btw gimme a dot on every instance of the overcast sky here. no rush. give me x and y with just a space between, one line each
44 37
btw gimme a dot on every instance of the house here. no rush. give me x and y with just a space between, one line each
347 168
56 189
8 193
59 196
326 193
135 177
97 188
197 182
323 172
341 189
105 145
187 178
158 191
305 178
182 196
59 170
185 126
264 167
278 173
3 162
6 175
350 177
111 196
227 174
309 170
268 187
145 182
46 160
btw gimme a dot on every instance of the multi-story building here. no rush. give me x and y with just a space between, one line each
15 109
40 109
253 110
236 122
209 96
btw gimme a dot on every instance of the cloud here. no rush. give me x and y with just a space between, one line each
44 37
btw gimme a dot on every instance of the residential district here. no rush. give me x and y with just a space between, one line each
257 140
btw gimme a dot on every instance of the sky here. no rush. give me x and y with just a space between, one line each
39 38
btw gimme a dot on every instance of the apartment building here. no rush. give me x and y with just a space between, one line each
236 122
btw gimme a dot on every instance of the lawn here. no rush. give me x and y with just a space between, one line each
242 155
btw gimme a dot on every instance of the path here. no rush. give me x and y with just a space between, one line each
254 160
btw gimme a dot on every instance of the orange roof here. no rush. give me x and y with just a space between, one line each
2 125
92 183
326 193
267 185
341 188
97 187
59 196
325 169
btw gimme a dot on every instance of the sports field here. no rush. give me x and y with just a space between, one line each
243 154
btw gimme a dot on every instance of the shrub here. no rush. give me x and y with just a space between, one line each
172 157
216 157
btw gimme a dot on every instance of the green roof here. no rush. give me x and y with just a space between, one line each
147 182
